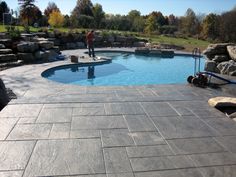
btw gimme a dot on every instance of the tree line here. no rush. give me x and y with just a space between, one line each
213 27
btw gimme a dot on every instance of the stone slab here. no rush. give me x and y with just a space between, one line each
123 108
66 157
149 151
85 134
160 163
116 137
11 173
6 125
175 127
30 131
89 111
159 109
229 142
14 155
116 160
147 138
55 115
97 122
21 110
137 123
195 145
60 131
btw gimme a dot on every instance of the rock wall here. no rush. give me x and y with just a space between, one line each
221 58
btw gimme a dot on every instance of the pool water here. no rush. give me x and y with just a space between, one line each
126 69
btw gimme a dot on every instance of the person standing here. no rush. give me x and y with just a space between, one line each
90 41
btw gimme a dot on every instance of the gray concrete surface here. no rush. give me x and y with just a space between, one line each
54 129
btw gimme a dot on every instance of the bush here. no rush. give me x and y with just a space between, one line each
13 32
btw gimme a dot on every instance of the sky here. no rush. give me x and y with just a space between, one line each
167 7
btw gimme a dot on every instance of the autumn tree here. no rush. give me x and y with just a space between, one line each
151 24
50 8
56 19
210 26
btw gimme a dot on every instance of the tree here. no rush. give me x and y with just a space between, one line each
227 26
3 9
151 24
28 10
137 22
56 19
210 26
189 23
98 14
83 7
50 8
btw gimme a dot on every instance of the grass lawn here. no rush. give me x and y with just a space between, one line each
187 43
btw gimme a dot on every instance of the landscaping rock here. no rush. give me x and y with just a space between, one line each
233 116
4 99
232 51
7 57
220 58
222 102
227 67
142 50
80 44
5 51
216 49
27 47
71 46
6 42
2 46
46 44
210 66
26 57
139 44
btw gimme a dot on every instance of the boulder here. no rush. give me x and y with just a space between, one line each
7 57
232 51
2 46
167 53
216 49
233 116
27 47
142 50
155 52
120 38
222 102
227 67
210 66
4 99
6 42
220 58
5 51
46 44
71 45
26 57
139 44
80 44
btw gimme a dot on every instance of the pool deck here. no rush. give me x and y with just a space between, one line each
55 129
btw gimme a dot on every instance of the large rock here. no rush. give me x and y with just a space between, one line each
210 66
7 57
216 49
232 51
222 102
228 67
5 51
26 57
4 99
220 58
142 50
27 47
6 42
2 46
46 44
80 44
139 44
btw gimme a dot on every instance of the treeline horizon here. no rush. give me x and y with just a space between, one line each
211 27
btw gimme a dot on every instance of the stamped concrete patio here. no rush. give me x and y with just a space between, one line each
54 129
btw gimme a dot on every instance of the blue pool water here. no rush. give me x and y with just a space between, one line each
126 69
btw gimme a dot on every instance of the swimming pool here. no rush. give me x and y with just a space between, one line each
126 69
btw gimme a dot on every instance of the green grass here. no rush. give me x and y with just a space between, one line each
187 43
